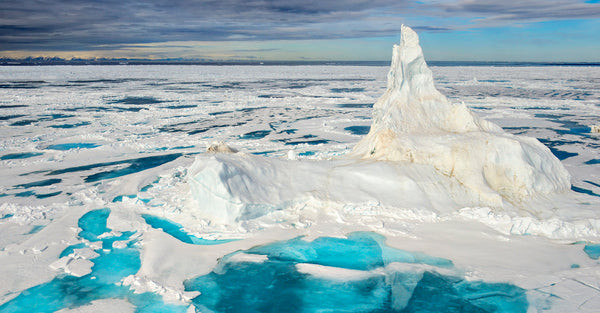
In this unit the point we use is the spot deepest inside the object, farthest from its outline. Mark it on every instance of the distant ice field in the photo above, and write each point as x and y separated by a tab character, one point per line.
94	160
102	121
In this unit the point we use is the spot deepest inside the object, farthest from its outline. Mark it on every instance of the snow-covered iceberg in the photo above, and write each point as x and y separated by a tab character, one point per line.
422	152
413	122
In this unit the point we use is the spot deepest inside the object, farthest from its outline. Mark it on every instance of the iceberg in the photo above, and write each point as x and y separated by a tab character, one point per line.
413	122
422	152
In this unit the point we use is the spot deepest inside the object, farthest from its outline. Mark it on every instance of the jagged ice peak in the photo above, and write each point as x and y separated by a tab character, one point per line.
413	122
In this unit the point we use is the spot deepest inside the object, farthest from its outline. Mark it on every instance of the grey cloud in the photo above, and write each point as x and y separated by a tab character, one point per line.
43	24
89	24
524	11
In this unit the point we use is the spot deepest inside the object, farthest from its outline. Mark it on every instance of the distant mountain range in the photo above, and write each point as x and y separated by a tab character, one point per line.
175	61
179	61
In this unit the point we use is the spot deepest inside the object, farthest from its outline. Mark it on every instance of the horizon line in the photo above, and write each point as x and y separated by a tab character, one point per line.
32	61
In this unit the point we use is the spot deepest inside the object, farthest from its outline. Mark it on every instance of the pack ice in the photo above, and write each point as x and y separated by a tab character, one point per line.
434	210
422	153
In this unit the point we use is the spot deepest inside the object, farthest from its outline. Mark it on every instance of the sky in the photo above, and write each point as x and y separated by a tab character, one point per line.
303	30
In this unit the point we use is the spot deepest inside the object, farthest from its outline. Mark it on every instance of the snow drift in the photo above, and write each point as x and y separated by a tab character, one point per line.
422	152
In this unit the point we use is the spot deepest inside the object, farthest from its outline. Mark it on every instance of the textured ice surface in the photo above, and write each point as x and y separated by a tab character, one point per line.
150	122
110	266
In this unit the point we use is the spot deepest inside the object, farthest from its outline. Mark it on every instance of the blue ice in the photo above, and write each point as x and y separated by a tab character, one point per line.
76	145
358	130
176	230
93	224
110	267
367	251
41	183
306	153
24	155
137	100
30	193
121	197
259	134
585	191
48	195
135	165
24	194
35	229
70	125
276	285
593	251
147	187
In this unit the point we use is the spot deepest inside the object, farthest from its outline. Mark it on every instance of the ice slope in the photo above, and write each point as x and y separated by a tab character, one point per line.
230	188
422	152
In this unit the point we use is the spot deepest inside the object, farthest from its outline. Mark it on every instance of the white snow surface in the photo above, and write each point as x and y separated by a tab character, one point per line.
432	175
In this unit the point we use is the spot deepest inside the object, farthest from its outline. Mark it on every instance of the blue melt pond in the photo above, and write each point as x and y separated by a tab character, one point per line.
562	155
176	230
48	195
584	191
358	130
70	125
24	194
110	267
76	145
93	224
15	156
368	252
276	284
121	197
41	183
135	165
593	251
259	134
36	229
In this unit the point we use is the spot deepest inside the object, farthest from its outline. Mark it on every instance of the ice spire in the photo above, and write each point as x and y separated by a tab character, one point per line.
409	56
411	103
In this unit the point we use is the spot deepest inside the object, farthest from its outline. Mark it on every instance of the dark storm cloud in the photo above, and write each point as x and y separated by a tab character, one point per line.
73	25
95	24
524	11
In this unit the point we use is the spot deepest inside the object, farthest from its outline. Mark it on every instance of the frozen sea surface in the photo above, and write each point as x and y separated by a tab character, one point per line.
94	173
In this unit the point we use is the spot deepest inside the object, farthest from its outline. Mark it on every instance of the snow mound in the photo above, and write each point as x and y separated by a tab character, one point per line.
228	188
413	122
422	152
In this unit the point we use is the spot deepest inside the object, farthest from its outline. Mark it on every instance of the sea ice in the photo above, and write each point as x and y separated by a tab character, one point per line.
104	191
90	274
